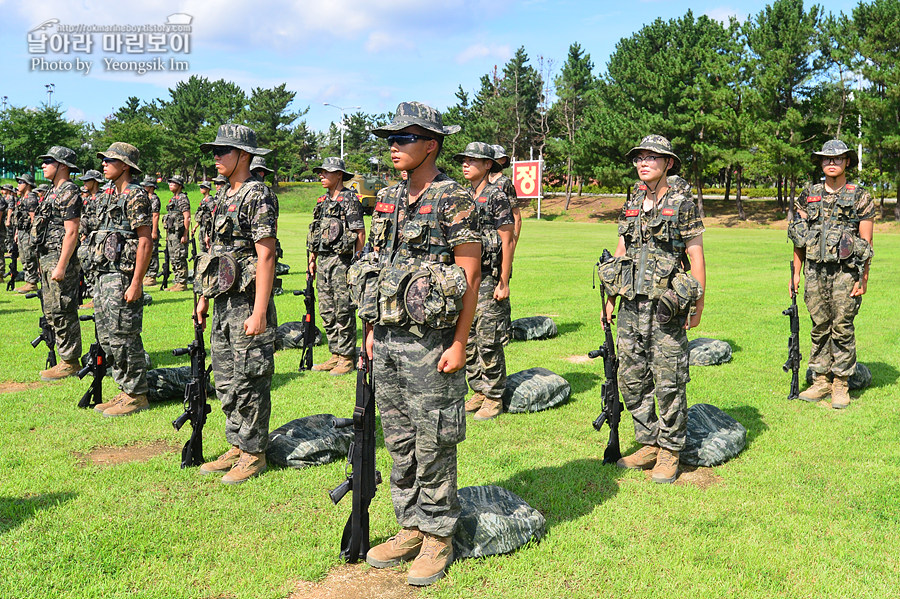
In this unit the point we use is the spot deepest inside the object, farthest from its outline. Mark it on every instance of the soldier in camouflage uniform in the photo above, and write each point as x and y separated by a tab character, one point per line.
336	233
259	170
659	230
10	238
506	186
4	214
55	233
428	251
120	254
238	272
149	185
178	226
89	220
26	205
485	360
203	216
219	181
832	234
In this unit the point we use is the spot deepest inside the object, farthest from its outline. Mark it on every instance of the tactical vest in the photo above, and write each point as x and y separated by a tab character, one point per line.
48	227
329	232
174	221
653	243
421	238
23	220
831	233
114	243
491	247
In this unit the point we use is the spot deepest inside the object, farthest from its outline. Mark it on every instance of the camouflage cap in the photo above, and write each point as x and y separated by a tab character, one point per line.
7	187
127	153
333	164
658	144
62	155
259	163
477	149
416	113
205	184
91	175
235	136
149	182
176	179
220	180
835	147
502	158
27	179
42	188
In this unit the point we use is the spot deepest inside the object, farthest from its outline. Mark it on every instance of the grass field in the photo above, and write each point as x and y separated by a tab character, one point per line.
811	508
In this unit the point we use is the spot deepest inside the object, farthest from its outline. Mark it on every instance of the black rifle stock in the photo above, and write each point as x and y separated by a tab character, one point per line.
794	358
363	479
93	362
47	336
13	267
611	411
166	269
309	323
196	406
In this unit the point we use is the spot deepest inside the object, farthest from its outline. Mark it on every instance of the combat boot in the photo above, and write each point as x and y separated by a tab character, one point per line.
401	547
490	408
101	407
250	465
63	369
820	389
343	366
474	403
840	393
643	458
223	463
327	364
128	405
666	469
178	287
87	305
149	282
27	288
432	562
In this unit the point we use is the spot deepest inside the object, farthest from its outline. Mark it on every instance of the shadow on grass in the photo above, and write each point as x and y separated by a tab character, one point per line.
735	348
750	418
583	382
568	491
15	510
883	375
169	298
568	327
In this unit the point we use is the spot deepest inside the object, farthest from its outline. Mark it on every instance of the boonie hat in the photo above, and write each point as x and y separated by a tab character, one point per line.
235	136
149	182
334	164
127	153
176	179
62	155
205	184
660	145
91	175
259	163
478	149
835	147
27	179
416	113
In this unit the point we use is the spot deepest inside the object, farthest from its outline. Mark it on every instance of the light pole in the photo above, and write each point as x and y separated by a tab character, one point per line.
5	98
342	126
50	87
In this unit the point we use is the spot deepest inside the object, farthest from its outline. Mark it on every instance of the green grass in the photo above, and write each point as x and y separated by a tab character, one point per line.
809	509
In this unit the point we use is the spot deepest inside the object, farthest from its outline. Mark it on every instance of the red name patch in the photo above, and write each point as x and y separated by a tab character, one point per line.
232	208
813	199
382	207
320	200
642	187
426	209
668	212
634	212
850	187
481	200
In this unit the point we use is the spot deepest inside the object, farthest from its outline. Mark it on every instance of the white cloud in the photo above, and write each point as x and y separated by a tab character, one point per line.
75	114
724	13
479	50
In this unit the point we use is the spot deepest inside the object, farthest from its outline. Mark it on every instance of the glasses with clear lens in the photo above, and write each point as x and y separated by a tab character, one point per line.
646	159
405	139
833	160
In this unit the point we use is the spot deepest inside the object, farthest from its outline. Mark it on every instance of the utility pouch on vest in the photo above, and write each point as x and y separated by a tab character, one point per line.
39	227
662	275
862	250
433	296
798	232
362	280
491	249
216	274
617	276
391	285
832	244
113	244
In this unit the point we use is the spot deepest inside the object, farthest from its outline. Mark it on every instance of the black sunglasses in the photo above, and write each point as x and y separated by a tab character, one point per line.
221	151
406	139
48	161
111	160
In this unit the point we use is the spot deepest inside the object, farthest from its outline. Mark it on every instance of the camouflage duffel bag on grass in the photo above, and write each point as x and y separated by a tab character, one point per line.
493	521
309	441
534	390
713	437
860	379
167	384
290	336
708	352
533	327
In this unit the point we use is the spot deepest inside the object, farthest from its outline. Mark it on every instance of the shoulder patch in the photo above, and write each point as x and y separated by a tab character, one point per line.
633	212
813	199
384	207
481	199
850	187
320	200
426	209
642	187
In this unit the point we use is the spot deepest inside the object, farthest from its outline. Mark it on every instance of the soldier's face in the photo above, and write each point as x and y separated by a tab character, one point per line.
49	167
112	168
330	180
834	166
21	188
173	187
411	155
474	169
651	166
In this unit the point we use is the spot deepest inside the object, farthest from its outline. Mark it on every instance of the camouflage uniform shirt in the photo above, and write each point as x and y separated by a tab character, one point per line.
61	203
178	205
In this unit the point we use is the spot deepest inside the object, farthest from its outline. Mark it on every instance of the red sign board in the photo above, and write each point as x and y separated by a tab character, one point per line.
527	178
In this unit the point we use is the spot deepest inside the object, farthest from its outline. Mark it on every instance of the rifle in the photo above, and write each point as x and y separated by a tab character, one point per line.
93	362
81	289
195	405
309	323
794	357
193	249
362	478
166	270
13	267
47	335
611	404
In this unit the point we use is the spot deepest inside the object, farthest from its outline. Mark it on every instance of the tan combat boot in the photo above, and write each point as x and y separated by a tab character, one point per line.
432	562
666	469
223	463
102	407
474	403
343	366
643	458
840	393
820	389
128	405
149	282
327	364
178	287
250	465
87	305
63	369
490	408
26	288
401	547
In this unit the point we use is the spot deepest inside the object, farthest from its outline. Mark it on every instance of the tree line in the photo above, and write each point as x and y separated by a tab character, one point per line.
744	104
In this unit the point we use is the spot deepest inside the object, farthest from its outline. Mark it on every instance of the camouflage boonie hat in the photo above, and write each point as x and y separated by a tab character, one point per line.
149	182
502	158
416	113
127	153
91	175
220	180
259	163
42	188
478	149
835	147
176	179
62	155
658	144
27	179
235	136
7	187
334	164
205	184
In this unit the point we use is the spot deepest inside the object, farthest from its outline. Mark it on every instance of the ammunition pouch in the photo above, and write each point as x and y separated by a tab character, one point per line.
362	280
112	251
39	226
657	279
174	223
391	287
862	251
491	252
617	277
216	274
434	294
678	300
798	232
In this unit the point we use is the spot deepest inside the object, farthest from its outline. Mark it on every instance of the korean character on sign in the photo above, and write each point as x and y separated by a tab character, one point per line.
59	43
37	43
112	42
157	43
180	42
82	42
134	43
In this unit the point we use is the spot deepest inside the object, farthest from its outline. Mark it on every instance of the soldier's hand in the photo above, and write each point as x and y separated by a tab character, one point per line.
693	321
255	325
370	340
796	283
134	292
311	268
58	273
202	311
453	358
184	238
501	291
859	288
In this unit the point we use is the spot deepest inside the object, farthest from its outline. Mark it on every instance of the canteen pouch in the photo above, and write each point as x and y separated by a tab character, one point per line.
616	276
391	285
362	280
862	250
216	274
433	296
798	232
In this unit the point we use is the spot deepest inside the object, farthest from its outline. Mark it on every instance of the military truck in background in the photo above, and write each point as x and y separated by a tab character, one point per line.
367	187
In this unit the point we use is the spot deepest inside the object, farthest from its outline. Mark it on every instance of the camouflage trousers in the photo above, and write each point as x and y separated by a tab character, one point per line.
28	258
832	311
177	258
653	360
423	417
337	311
90	275
153	269
3	248
242	368
60	305
119	326
485	360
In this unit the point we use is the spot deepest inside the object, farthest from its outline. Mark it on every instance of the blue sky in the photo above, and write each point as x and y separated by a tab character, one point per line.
368	53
